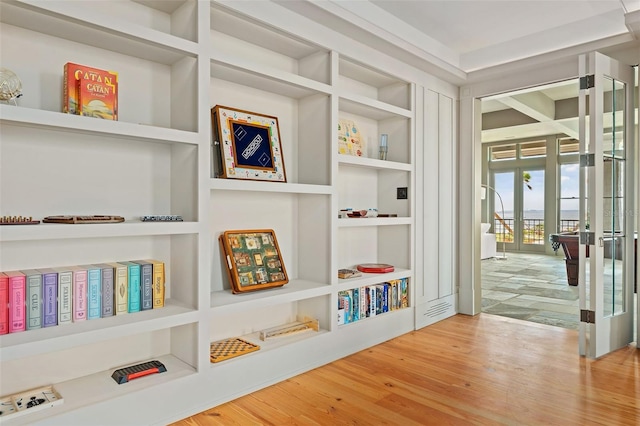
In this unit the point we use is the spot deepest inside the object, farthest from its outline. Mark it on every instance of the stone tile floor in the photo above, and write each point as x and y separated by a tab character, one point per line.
533	287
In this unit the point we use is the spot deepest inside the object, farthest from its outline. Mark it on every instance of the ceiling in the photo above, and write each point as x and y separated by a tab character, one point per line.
459	39
453	39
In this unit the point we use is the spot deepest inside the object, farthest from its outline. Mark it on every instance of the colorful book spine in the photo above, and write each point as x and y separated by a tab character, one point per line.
17	290
158	283
79	293
133	278
404	291
107	290
121	288
65	296
146	284
4	303
363	302
50	297
372	301
34	300
356	304
94	291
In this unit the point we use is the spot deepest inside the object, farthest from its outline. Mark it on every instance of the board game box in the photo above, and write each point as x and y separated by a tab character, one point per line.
253	260
91	92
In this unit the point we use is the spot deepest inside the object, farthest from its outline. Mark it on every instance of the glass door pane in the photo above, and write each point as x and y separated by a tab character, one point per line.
613	150
569	198
503	223
532	224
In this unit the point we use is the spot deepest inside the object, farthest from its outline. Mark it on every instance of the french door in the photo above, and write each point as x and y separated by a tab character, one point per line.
606	248
522	191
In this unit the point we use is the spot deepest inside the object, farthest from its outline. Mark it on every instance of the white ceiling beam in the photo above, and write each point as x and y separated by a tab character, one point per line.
539	107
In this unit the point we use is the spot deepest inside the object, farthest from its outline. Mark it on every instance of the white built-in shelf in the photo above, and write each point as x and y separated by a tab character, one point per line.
100	387
224	302
372	279
373	163
48	231
37	118
268	345
354	222
282	187
62	337
251	74
64	20
374	109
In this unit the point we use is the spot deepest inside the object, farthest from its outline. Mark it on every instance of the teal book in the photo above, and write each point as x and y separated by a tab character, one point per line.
34	298
133	278
146	284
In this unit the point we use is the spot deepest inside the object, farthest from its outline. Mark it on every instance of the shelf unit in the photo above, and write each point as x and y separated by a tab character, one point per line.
176	60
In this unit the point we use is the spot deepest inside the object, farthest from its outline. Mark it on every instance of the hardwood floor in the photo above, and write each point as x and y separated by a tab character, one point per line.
482	370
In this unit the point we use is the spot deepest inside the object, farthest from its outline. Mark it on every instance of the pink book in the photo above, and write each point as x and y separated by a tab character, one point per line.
17	314
4	303
79	291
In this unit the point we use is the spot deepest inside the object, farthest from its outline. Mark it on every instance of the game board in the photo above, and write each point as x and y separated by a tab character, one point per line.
230	348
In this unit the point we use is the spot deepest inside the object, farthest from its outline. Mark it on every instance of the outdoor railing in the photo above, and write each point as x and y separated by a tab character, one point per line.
532	232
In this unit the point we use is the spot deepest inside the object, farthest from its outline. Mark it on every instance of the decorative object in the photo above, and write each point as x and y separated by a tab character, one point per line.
384	148
376	268
10	86
247	145
83	219
125	374
230	348
161	218
18	220
29	402
297	327
484	196
349	139
253	260
348	273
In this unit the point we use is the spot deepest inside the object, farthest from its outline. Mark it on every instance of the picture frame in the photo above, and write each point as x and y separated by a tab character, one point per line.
246	145
253	260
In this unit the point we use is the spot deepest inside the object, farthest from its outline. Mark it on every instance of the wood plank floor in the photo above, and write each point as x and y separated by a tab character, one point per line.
482	370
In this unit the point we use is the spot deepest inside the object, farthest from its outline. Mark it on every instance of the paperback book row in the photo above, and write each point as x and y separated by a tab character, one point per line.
365	302
37	298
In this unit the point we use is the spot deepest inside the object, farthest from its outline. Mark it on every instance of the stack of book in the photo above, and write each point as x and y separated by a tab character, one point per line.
364	302
46	297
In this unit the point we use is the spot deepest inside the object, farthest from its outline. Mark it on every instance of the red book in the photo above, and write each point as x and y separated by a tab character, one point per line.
17	313
4	303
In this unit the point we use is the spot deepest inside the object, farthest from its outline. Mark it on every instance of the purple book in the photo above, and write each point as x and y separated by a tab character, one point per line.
49	297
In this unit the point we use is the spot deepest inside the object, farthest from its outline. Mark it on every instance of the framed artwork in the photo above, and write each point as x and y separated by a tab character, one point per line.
246	145
253	260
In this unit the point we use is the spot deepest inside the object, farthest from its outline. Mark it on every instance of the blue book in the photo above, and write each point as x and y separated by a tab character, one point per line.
34	298
146	284
108	295
94	291
356	304
49	297
133	278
